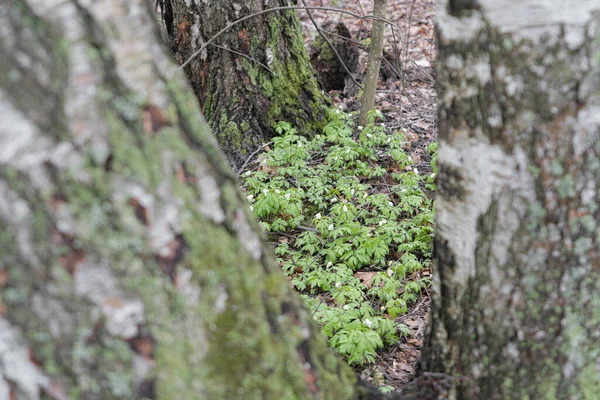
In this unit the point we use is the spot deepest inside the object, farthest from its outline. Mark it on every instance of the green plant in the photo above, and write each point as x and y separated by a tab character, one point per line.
352	225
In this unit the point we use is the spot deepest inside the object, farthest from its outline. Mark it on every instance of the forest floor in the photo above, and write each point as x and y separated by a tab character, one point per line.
409	105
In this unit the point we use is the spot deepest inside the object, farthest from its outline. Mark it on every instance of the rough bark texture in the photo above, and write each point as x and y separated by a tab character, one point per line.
516	307
243	97
130	263
367	101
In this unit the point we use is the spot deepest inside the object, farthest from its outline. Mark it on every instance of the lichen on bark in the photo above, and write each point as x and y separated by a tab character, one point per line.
516	247
131	265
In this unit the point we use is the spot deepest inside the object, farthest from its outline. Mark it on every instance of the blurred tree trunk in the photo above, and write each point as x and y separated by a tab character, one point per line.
516	306
256	74
131	266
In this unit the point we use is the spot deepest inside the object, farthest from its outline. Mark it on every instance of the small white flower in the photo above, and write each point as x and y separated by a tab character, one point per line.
390	272
338	284
368	322
299	144
360	128
416	171
347	151
333	199
383	221
432	176
403	191
335	158
409	158
251	208
365	195
390	204
337	111
330	227
318	216
345	209
287	196
265	191
329	264
346	307
389	140
352	192
248	173
369	135
382	124
277	191
250	196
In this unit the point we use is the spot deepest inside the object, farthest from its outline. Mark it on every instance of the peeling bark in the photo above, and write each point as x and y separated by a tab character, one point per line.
515	305
256	74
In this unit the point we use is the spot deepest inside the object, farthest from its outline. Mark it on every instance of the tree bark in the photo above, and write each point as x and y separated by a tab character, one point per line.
257	74
516	291
367	101
131	266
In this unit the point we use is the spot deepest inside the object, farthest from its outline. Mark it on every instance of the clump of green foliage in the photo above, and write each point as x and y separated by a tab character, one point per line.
352	225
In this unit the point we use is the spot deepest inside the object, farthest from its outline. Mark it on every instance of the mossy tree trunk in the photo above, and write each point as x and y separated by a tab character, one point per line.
516	306
131	266
257	74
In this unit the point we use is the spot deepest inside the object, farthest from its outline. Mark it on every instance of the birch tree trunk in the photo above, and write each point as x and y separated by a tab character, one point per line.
516	307
256	74
131	266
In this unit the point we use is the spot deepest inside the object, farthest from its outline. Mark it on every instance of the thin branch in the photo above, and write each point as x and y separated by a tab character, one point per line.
234	23
245	55
320	31
239	171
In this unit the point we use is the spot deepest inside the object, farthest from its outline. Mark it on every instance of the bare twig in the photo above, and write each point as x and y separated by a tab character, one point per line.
320	32
247	17
244	55
239	171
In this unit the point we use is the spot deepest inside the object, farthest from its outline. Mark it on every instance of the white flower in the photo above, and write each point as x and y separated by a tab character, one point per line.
360	128
403	191
250	196
383	221
251	208
352	192
382	124
369	135
390	204
432	176
338	284
277	191
299	144
416	171
318	216
346	307
337	111
409	158
345	209
248	173
333	199
287	196
368	322
390	272
335	158
265	191
330	227
347	151
389	140
329	264
365	195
